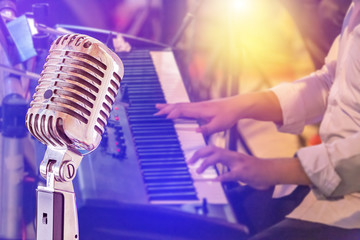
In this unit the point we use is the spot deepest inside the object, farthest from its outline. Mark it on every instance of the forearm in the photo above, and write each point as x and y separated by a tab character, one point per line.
283	171
263	106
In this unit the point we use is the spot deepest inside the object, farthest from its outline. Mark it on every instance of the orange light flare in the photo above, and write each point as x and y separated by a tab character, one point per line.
254	38
264	35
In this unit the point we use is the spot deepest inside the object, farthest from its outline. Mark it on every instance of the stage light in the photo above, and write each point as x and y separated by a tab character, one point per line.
242	7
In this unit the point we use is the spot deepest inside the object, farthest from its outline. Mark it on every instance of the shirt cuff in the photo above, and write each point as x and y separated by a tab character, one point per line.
292	107
319	168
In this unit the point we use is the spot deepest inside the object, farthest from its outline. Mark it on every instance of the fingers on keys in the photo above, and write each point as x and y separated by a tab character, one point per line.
227	177
163	109
179	110
211	155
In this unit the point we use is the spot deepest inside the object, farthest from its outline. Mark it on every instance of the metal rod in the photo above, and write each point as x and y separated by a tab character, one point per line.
30	75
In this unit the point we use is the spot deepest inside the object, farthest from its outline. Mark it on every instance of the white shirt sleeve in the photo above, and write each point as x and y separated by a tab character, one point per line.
304	101
339	178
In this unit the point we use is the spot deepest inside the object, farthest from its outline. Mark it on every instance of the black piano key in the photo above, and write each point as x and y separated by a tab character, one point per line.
184	179
135	54
141	72
163	159
165	170
164	138
159	152
139	109
137	67
133	91
145	101
169	155
149	127
173	178
149	120
153	160
143	112
132	65
150	123
141	77
168	125
161	149
163	173
160	157
135	108
156	141
170	184
155	135
173	196
166	174
144	115
159	165
169	169
130	76
144	85
154	132
169	189
146	96
138	85
137	62
156	145
150	104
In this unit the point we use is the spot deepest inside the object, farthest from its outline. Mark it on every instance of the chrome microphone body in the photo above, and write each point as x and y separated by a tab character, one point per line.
69	112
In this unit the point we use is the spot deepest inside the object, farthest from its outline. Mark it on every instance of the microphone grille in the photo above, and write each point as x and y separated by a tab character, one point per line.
75	94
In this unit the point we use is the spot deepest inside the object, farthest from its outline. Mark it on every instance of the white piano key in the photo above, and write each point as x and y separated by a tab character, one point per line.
191	141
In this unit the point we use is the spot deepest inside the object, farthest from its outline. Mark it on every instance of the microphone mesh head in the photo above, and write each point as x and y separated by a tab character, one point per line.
75	94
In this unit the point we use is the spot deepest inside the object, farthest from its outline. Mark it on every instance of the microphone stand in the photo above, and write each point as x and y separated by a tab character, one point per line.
12	137
12	167
189	17
56	216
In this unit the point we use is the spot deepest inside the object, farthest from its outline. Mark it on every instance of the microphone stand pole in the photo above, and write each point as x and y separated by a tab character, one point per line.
185	23
12	168
13	136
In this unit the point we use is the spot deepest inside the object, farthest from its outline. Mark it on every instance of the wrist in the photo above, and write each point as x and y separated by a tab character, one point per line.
241	105
287	171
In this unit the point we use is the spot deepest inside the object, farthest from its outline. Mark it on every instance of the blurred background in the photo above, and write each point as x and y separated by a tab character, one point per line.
222	48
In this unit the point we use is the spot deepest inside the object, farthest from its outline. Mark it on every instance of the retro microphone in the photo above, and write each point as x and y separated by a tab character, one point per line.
69	112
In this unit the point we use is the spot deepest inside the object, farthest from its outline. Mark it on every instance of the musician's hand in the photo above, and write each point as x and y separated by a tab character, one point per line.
216	115
244	168
257	172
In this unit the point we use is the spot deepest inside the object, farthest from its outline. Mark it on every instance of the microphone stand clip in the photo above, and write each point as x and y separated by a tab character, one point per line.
56	215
